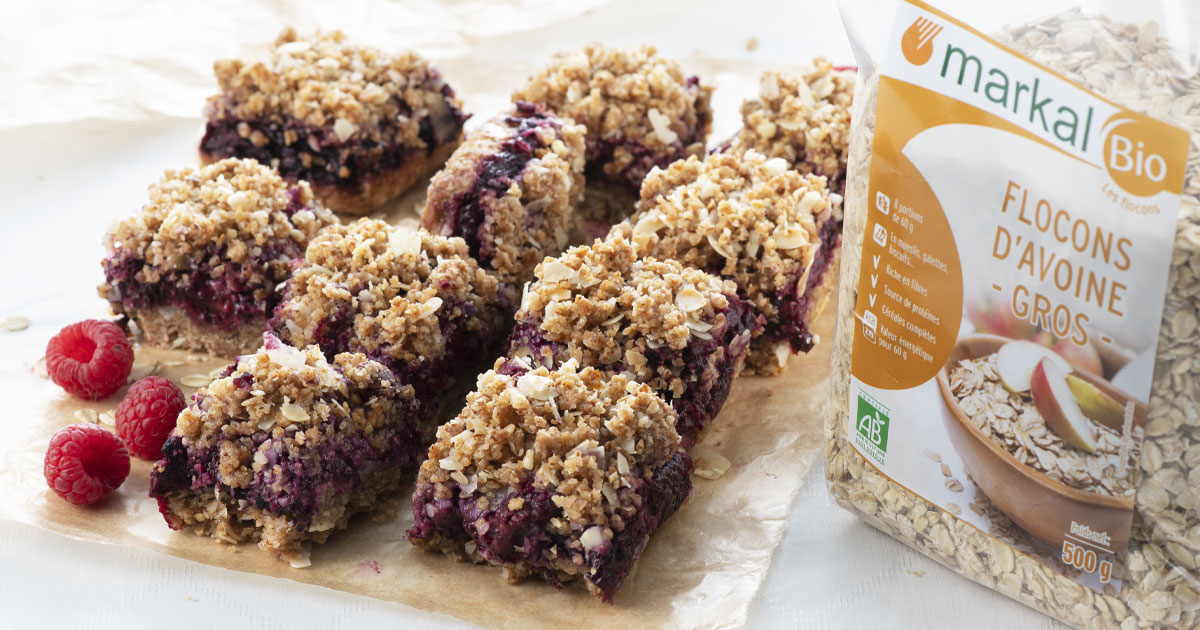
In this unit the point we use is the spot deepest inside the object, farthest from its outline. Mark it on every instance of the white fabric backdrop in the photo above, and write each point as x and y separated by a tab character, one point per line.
832	571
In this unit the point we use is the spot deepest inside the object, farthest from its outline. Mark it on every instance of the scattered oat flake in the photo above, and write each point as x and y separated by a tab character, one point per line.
86	415
917	572
39	368
195	380
13	323
107	418
709	463
751	44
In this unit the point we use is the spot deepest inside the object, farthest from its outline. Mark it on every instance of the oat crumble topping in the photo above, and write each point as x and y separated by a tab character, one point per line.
803	119
325	81
626	94
529	219
607	306
235	207
401	289
745	217
294	395
583	434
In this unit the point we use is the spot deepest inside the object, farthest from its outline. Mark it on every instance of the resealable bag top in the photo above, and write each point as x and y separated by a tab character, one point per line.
1015	380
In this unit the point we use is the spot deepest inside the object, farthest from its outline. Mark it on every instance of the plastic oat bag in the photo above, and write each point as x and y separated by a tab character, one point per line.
1016	377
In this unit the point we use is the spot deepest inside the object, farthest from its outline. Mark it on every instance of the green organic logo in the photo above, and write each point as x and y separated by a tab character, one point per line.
871	424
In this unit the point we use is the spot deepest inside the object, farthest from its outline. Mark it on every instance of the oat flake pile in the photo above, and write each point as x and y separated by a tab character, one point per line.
1072	408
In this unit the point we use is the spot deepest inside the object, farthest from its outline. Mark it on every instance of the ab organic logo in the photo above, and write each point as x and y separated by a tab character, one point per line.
917	42
872	423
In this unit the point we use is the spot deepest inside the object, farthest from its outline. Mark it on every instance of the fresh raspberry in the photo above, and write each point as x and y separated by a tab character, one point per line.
90	359
147	415
85	463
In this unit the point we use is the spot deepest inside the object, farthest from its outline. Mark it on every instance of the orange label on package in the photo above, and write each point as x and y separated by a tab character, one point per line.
1015	255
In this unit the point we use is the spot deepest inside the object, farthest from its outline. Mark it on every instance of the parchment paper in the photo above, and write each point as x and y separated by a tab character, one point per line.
700	570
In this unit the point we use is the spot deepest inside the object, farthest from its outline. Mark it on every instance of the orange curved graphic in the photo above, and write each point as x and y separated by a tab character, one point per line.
917	42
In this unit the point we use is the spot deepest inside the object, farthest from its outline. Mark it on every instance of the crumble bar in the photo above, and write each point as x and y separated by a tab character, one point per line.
509	190
360	125
640	111
286	447
197	268
679	330
414	301
560	473
753	220
803	119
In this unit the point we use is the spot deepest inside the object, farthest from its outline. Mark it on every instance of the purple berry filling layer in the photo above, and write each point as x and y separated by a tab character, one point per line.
315	154
703	398
226	295
496	174
600	152
505	536
795	312
290	485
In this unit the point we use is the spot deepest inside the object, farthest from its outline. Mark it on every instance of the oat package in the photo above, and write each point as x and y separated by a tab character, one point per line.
1016	387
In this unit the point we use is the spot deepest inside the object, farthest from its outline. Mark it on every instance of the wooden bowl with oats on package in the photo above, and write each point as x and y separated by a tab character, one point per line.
1041	439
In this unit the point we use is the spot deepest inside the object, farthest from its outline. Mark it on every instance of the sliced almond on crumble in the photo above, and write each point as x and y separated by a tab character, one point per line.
404	241
612	320
287	356
430	307
609	493
719	248
775	166
651	222
812	200
592	537
556	271
662	126
790	237
344	129
292	411
689	299
536	386
240	201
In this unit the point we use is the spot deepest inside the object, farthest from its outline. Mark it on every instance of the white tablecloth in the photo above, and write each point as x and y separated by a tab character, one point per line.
64	183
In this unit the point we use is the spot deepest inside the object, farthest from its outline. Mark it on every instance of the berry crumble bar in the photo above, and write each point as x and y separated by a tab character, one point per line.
562	474
198	267
679	330
753	220
360	125
286	447
803	119
411	300
640	111
509	190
